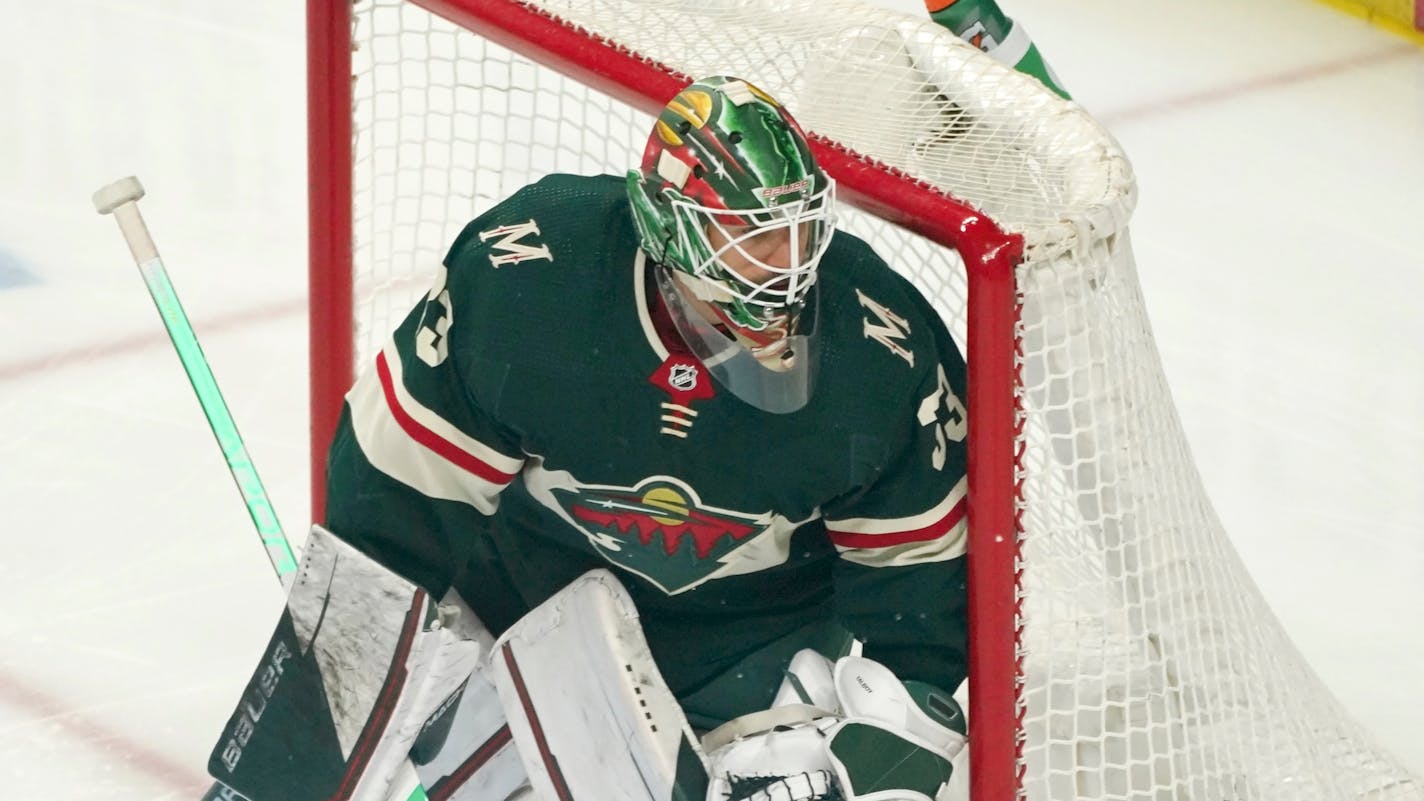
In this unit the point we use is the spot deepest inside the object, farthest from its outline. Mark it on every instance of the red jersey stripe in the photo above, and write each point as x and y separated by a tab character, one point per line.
443	447
935	530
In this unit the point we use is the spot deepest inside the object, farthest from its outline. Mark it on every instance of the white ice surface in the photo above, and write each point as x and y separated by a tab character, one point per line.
1279	238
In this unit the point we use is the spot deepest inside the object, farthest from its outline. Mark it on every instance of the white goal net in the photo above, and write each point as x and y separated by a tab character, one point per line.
1143	663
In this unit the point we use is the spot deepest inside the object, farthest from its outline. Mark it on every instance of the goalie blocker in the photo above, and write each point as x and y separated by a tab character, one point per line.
361	658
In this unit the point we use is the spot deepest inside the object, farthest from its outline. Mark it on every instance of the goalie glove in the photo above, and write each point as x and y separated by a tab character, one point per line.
776	755
844	732
895	741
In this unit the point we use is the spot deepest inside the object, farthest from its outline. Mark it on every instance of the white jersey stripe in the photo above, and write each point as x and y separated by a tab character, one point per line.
951	545
415	446
871	525
940	534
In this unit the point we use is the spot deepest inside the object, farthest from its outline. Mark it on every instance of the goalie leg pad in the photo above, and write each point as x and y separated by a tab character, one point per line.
474	758
589	711
360	659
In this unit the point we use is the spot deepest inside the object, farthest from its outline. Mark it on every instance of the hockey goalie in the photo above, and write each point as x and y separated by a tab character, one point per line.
609	510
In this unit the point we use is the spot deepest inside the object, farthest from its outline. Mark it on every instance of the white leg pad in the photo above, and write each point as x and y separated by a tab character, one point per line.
478	760
590	714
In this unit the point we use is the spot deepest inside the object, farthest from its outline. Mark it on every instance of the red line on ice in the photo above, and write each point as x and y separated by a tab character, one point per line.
99	738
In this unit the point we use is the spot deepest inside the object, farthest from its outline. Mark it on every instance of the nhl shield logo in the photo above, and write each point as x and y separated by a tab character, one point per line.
683	377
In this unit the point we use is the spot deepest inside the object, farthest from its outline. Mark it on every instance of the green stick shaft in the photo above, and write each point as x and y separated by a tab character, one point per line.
244	474
121	198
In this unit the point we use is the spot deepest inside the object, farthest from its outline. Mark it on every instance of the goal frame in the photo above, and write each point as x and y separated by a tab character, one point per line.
992	346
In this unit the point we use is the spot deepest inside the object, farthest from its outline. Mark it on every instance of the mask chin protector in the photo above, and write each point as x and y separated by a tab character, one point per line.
777	376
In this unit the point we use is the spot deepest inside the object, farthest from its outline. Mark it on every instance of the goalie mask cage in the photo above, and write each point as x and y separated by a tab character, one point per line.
1119	649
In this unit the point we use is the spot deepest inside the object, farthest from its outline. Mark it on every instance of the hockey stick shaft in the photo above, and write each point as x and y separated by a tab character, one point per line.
121	199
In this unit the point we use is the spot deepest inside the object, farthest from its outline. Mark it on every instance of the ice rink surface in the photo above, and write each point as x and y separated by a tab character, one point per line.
1278	235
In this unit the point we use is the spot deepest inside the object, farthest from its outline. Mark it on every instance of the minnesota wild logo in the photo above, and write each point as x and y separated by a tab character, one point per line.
659	529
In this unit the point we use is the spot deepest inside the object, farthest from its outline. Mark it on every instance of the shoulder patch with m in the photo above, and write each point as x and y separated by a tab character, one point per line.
509	246
889	328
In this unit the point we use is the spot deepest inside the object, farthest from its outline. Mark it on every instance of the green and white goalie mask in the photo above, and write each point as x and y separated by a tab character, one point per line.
730	201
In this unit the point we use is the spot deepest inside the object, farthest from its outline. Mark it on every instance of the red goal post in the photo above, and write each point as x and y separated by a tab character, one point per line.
1118	649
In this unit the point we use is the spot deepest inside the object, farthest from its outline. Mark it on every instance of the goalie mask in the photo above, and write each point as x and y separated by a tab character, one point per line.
730	202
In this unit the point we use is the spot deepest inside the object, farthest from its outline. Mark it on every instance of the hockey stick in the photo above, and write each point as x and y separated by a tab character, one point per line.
120	198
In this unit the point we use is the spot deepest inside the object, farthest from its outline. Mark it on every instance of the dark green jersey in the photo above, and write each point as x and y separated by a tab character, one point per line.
533	419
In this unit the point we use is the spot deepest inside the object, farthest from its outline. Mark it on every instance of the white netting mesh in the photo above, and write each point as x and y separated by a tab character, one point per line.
1153	668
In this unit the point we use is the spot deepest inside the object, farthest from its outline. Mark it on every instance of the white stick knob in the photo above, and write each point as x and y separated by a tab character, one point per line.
124	190
120	198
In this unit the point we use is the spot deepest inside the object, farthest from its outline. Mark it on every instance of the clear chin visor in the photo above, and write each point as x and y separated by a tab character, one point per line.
777	378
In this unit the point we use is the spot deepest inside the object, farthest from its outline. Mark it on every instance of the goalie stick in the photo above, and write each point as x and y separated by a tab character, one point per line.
120	199
683	776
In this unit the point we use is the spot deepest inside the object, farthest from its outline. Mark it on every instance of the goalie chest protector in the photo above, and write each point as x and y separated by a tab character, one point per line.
539	344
